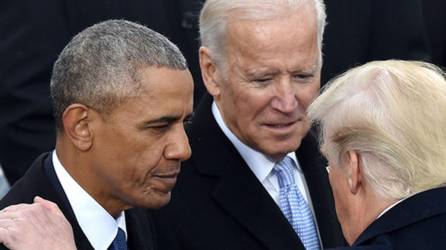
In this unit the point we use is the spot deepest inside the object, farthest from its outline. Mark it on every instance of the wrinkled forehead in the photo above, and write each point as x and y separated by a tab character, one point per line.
260	10
291	33
273	45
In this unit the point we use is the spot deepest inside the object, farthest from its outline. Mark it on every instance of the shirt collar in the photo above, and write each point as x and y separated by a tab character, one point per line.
259	163
392	205
98	225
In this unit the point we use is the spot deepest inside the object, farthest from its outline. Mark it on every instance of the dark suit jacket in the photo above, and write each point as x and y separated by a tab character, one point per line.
41	180
418	223
33	33
361	31
218	203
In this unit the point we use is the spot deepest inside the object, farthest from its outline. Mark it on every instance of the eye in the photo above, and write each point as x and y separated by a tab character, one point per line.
158	128
262	81
303	77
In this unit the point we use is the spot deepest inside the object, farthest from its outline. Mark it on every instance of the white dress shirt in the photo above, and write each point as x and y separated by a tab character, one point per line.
261	165
392	205
96	223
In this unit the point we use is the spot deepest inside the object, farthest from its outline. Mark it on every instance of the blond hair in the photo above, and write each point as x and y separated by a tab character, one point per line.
394	114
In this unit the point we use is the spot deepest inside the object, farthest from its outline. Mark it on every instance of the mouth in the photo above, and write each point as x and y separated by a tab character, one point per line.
167	179
283	126
168	174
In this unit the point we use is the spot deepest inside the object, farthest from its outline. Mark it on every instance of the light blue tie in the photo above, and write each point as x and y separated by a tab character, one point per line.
119	243
294	206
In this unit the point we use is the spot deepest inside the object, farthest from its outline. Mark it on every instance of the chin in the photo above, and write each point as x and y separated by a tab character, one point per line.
278	154
155	202
284	148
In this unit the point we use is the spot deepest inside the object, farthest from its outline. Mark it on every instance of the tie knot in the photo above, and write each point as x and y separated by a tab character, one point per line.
119	243
284	170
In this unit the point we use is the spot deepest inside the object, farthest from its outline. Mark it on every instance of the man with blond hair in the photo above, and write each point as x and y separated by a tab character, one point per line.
383	132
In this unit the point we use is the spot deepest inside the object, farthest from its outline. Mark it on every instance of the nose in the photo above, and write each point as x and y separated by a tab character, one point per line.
179	149
285	100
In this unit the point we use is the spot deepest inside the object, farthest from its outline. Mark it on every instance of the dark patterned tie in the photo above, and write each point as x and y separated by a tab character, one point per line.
119	243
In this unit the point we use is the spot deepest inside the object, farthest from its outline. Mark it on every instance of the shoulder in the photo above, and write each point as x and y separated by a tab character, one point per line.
423	215
33	183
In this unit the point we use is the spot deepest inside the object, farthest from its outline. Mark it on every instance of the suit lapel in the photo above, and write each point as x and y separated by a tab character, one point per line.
237	191
244	198
139	228
58	196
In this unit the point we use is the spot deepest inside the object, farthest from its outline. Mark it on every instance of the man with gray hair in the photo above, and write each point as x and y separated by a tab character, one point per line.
121	93
255	180
383	132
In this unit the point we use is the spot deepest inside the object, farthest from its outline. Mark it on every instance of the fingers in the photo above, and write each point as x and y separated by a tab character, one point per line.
14	208
48	204
25	226
5	238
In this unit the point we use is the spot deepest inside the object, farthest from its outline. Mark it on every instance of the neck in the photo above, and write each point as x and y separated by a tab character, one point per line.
76	163
366	212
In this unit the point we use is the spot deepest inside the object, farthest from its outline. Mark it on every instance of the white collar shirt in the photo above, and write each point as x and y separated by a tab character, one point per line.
261	165
98	225
393	205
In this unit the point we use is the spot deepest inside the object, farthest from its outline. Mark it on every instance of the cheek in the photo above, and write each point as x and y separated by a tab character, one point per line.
339	193
306	95
335	187
242	106
255	103
148	157
140	159
332	184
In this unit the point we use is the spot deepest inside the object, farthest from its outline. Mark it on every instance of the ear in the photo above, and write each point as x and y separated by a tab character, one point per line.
76	124
209	72
354	165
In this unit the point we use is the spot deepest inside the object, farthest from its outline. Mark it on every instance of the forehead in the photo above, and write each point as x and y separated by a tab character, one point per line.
162	80
292	37
161	90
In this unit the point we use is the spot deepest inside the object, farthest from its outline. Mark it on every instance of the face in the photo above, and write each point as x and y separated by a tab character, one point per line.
341	193
272	74
138	148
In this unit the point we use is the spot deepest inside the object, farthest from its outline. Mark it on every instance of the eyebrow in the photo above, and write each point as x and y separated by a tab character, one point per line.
161	120
311	69
260	72
168	119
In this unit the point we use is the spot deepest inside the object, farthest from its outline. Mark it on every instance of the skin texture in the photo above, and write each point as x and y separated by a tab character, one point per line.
132	156
21	227
341	191
357	205
271	75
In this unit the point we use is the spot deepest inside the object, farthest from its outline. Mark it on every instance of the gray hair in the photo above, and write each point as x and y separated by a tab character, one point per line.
393	114
100	66
215	14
